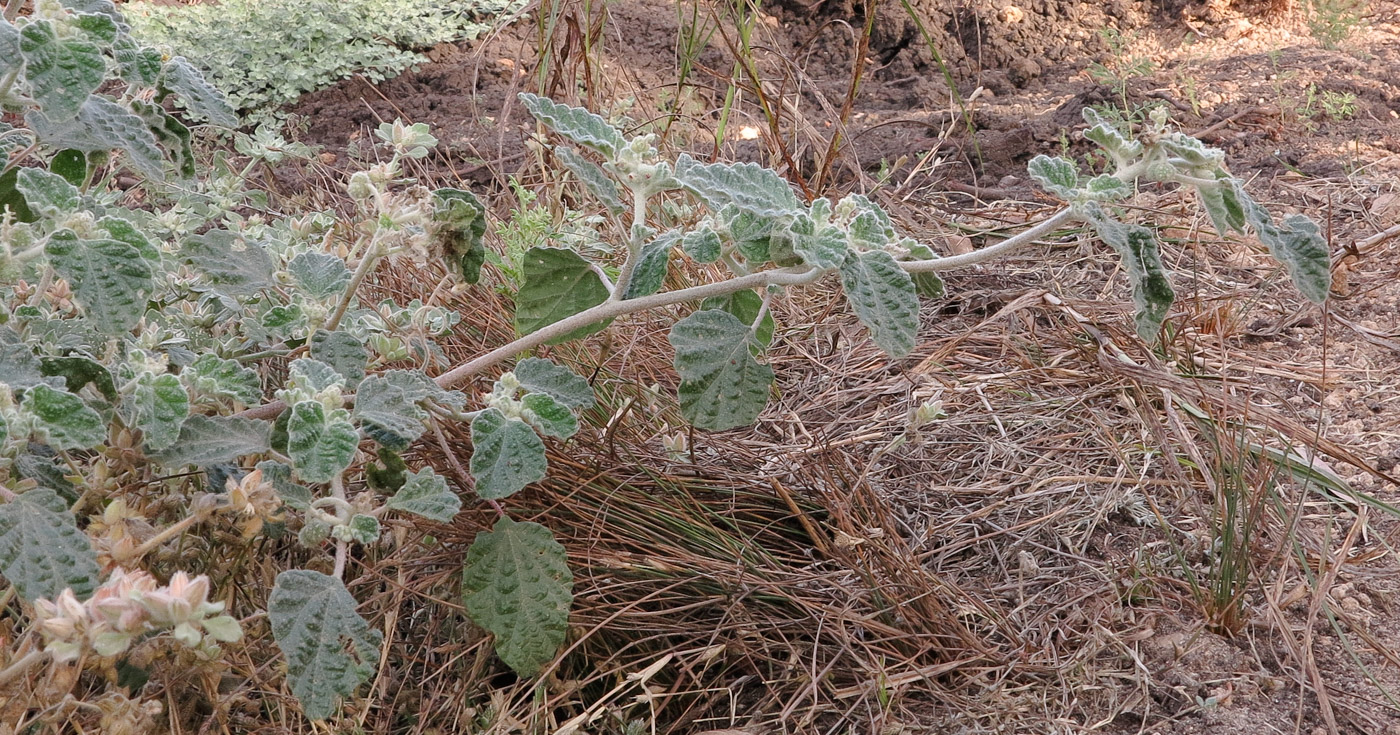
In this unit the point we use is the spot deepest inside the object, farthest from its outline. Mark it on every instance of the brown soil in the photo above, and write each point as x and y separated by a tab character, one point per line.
1254	86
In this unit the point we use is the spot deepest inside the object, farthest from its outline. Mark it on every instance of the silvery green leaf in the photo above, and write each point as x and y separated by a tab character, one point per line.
746	306
45	471
1137	247
109	278
1298	244
557	284
313	533
48	194
882	294
548	416
210	440
1222	202
103	125
170	133
576	124
516	584
198	96
293	495
11	201
320	443
97	7
592	177
342	351
425	493
61	73
64	419
649	274
459	223
824	248
10	59
722	386
538	375
213	375
123	230
928	284
71	164
78	372
231	263
388	413
42	552
363	529
748	186
1056	175
1106	188
419	387
320	275
1107	137
330	649
140	66
313	375
97	27
19	368
1193	152
703	245
867	232
507	455
159	405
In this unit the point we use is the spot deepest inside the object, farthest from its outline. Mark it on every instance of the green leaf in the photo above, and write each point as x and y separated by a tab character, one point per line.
748	186
538	375
320	444
516	583
48	194
459	223
199	97
11	199
549	416
557	284
1152	287
64	418
825	248
10	59
78	372
103	125
315	624
160	407
703	245
884	298
342	351
120	229
425	493
593	178
313	375
110	279
140	66
61	73
389	474
1108	138
1106	188
1298	244
389	413
293	495
1056	175
72	165
650	272
213	375
46	472
363	529
102	28
231	263
507	455
1223	205
42	552
170	133
19	368
722	386
745	306
868	232
211	440
928	284
576	124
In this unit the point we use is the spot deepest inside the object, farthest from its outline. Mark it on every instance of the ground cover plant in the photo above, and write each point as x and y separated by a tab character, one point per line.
218	358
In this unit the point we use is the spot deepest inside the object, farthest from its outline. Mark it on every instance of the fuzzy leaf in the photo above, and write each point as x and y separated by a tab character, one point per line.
231	263
538	375
362	529
199	97
342	351
1152	287
159	405
47	193
61	73
883	296
1106	188
211	440
64	418
315	624
549	416
71	164
170	133
748	186
1112	141
42	552
928	284
211	374
293	495
10	59
425	493
110	279
703	245
825	248
320	444
576	124
722	386
459	223
389	413
650	272
78	372
19	368
592	177
516	583
46	472
313	375
1298	244
319	274
103	125
557	284
120	229
507	455
745	306
140	66
1056	175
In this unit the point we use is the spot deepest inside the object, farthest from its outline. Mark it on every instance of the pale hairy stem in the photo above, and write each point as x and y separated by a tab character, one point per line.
367	263
634	248
342	549
21	666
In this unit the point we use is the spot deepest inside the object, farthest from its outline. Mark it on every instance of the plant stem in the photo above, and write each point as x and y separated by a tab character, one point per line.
1001	249
164	536
18	668
366	265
